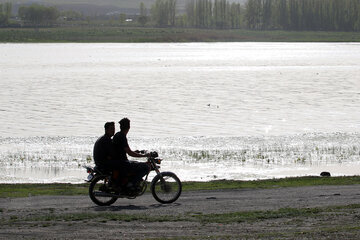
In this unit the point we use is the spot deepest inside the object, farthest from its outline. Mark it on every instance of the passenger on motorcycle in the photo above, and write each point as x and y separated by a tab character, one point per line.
103	147
104	152
122	149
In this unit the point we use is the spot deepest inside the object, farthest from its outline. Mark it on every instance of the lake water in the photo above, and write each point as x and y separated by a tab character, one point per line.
212	110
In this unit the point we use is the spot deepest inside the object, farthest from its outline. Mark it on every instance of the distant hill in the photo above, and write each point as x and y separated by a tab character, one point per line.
96	7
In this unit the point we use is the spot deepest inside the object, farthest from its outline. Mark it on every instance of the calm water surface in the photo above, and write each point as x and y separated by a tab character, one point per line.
214	110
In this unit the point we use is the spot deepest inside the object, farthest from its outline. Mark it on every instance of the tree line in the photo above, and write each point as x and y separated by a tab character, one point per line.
163	12
36	14
210	14
297	15
5	13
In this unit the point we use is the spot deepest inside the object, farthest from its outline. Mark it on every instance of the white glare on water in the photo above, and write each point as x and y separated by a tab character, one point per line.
212	110
60	159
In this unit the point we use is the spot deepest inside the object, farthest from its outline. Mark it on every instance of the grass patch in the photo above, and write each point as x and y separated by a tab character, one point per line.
272	183
100	217
140	34
238	217
25	190
291	213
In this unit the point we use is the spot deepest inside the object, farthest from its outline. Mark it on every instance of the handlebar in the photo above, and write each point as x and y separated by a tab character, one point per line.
152	154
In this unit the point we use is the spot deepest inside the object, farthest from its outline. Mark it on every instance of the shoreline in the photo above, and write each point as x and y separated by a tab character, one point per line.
107	34
17	190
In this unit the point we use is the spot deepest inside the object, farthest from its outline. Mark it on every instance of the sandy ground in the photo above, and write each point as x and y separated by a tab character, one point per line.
24	218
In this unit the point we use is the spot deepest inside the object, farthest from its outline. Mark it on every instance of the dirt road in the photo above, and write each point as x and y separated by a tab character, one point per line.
50	216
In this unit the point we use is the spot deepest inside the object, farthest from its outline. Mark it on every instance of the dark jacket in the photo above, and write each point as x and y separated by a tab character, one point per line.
103	150
120	143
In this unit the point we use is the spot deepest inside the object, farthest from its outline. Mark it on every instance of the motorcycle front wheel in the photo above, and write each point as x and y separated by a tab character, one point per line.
166	187
99	191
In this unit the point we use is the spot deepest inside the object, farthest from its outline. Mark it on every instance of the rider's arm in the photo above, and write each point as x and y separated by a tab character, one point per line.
135	154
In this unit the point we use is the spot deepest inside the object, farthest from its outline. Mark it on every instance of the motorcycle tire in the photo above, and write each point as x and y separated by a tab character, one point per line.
97	193
166	187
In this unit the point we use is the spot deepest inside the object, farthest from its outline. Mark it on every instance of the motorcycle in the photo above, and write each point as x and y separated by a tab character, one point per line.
165	187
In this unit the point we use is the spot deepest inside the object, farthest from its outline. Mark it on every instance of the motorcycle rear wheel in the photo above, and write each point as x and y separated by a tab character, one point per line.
166	187
98	191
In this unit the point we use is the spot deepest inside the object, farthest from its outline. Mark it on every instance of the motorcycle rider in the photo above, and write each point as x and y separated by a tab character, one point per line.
122	149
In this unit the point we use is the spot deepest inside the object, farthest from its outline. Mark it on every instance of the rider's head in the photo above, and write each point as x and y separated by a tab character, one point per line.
109	128
124	124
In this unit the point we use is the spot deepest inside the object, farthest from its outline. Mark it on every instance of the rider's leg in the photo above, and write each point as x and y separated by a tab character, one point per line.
139	170
115	168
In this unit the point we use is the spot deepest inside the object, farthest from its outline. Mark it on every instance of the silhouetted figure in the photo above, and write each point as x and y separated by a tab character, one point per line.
122	149
104	153
103	147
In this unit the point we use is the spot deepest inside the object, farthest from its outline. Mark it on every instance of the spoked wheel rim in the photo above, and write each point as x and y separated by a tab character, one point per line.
99	191
166	188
